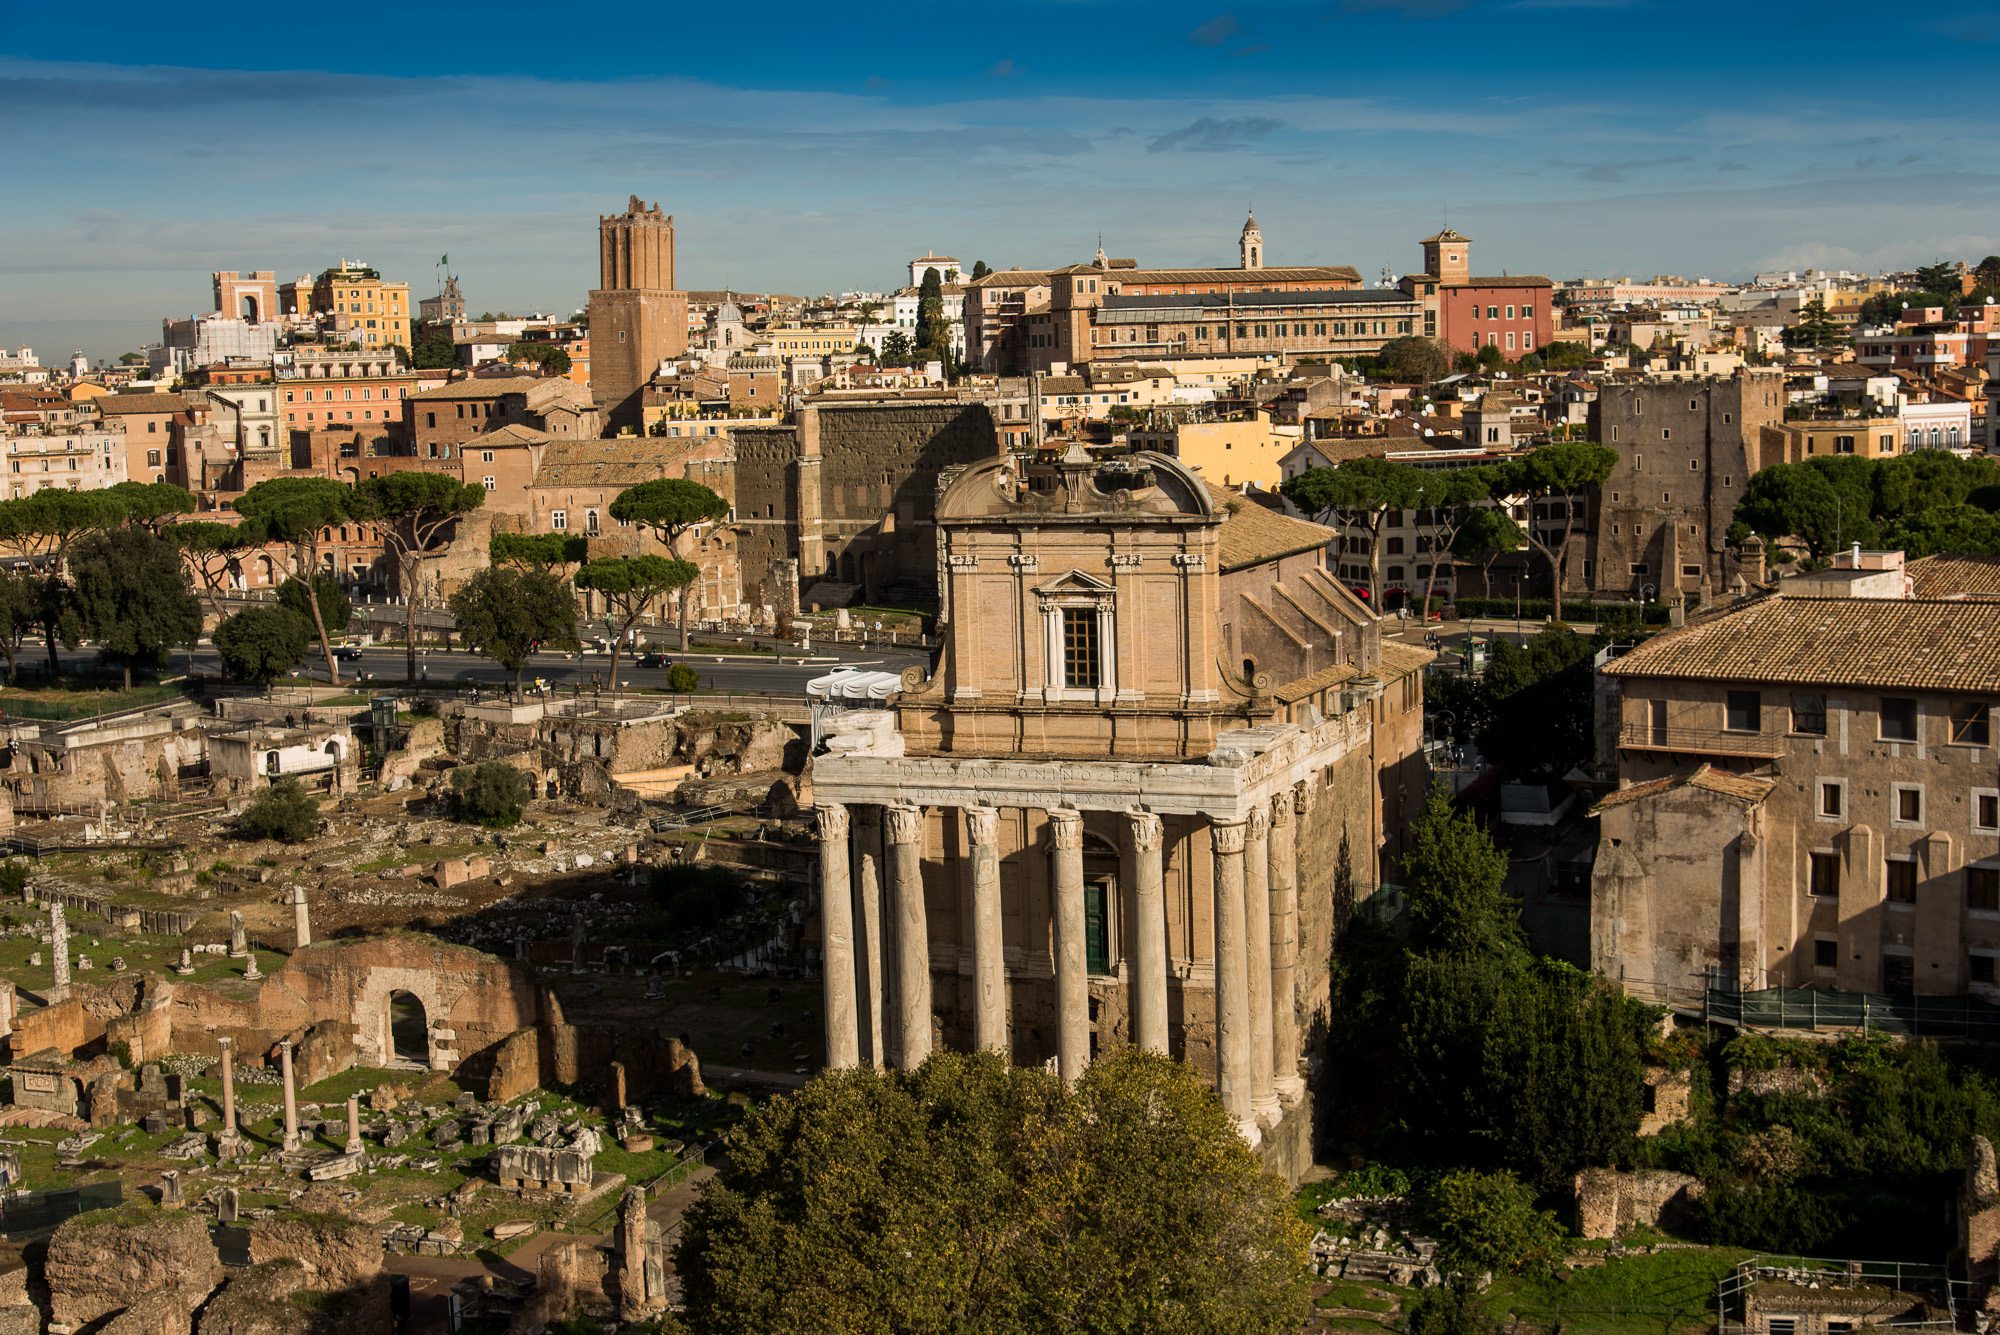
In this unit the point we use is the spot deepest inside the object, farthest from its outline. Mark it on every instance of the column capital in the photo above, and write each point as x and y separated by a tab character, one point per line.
1065	828
902	823
1281	811
223	1041
1302	799
1228	835
982	824
1145	830
832	820
1259	823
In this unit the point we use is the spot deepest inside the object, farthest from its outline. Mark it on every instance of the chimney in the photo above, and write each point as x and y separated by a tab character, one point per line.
1854	557
1753	560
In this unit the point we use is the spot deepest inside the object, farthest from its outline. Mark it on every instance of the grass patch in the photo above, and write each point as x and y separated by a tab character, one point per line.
711	647
1354	1296
1307	1200
1628	1295
61	702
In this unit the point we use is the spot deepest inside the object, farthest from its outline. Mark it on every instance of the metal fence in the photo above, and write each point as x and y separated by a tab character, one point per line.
1866	1012
1942	1296
30	1212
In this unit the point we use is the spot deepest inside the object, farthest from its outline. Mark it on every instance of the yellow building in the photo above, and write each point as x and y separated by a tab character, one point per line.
796	340
1228	453
365	309
1862	437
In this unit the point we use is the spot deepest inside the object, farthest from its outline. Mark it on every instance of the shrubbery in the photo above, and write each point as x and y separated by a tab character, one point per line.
1488	1221
491	794
285	812
682	679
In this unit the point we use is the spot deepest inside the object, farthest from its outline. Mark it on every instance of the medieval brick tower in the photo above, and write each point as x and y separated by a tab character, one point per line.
637	318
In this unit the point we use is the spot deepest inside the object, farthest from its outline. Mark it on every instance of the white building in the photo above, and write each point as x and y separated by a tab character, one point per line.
948	269
207	339
83	458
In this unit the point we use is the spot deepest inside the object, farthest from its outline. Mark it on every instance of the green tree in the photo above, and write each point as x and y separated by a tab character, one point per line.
298	511
630	585
132	597
547	356
1414	360
417	513
1563	356
1359	492
1563	473
1825	503
213	552
896	349
491	794
1454	881
1488	1221
1540	702
151	504
327	605
932	338
682	679
1943	276
671	508
434	350
1447	500
131	359
1486	534
507	614
1490	358
284	811
539	551
979	270
971	1195
1815	329
1961	530
261	644
19	590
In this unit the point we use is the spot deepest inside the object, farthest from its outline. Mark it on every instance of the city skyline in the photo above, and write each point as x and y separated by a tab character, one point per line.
1561	134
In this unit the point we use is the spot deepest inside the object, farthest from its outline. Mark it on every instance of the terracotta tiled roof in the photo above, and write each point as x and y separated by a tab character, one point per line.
1739	786
140	403
1253	535
491	388
1400	660
1516	280
1244	277
1954	576
1294	691
620	462
512	434
1908	643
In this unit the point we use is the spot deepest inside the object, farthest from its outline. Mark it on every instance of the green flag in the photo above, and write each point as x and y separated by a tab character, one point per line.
445	260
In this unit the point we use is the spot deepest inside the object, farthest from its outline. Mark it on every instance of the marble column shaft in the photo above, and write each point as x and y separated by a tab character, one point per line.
354	1124
874	924
836	912
291	1098
1257	960
1149	934
1285	949
1232	993
902	833
1072	976
989	964
228	1087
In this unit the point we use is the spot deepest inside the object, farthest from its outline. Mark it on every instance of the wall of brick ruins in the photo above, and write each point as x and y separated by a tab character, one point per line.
65	1026
1608	1201
103	1262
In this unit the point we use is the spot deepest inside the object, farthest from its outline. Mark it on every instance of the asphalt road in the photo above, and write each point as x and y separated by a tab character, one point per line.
744	673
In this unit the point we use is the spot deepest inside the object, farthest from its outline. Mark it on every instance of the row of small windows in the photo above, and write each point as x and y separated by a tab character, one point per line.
366	393
1899	886
1970	721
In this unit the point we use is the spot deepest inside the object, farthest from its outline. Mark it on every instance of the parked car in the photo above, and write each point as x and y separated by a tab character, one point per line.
350	653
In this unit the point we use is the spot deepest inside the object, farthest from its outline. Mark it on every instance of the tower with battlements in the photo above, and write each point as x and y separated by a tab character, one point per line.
637	317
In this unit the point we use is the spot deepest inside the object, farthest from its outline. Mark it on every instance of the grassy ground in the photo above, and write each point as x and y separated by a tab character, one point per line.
1627	1295
80	701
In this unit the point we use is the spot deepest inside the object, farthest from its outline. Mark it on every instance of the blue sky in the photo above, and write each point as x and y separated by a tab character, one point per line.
816	148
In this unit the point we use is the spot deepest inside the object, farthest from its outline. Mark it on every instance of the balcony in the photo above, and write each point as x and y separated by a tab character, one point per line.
1701	741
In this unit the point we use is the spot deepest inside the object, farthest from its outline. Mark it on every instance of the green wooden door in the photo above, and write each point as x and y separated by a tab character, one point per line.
1096	927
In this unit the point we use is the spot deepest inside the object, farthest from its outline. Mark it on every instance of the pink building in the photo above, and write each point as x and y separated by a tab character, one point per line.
1513	314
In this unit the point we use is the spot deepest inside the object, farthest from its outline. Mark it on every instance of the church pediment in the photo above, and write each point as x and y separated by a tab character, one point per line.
1074	584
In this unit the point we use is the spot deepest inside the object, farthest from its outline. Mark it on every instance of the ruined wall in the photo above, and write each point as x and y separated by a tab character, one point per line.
517	1067
259	1302
479	999
878	485
65	1026
764	485
335	1252
1608	1201
103	1262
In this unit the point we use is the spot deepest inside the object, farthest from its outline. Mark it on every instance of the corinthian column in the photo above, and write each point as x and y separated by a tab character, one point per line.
836	915
1284	953
1149	935
1072	980
1232	993
1257	962
989	966
903	831
874	930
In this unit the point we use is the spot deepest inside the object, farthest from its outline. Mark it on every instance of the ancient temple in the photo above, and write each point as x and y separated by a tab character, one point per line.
1162	755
